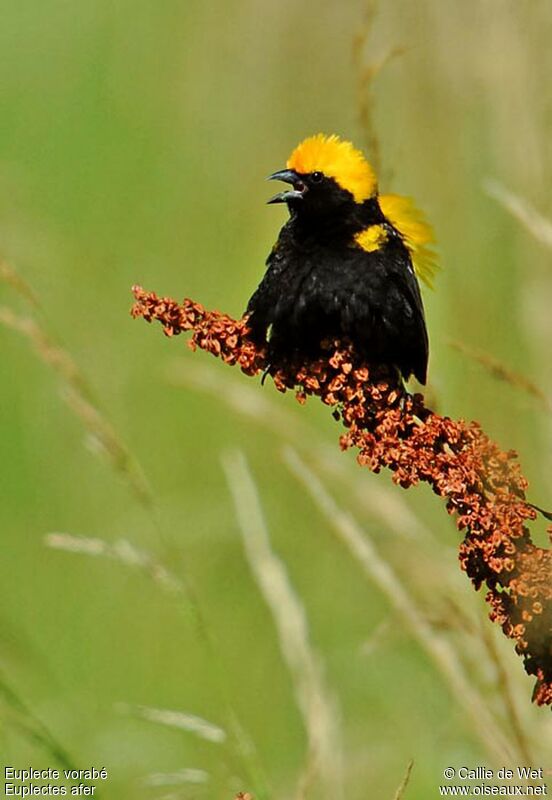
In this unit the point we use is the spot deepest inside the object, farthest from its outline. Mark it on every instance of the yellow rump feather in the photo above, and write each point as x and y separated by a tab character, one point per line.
416	231
337	159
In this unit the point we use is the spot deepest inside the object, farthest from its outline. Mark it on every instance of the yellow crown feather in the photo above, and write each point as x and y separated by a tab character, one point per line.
416	231
337	159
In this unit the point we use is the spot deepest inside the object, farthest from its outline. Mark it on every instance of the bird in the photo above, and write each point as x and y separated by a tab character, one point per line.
345	265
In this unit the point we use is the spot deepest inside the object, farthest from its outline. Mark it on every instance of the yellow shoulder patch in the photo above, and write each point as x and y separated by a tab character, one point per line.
372	238
416	231
336	159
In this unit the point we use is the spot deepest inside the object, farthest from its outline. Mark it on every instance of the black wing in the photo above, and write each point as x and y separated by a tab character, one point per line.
374	299
265	298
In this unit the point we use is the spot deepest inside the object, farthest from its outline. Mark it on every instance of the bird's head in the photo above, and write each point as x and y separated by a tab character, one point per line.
328	176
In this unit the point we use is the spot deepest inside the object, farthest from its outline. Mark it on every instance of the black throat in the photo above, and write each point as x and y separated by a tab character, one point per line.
335	224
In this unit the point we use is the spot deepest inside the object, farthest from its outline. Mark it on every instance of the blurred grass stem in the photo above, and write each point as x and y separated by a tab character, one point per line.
381	573
312	696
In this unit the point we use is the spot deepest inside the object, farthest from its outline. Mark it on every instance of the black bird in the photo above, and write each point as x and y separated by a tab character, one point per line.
345	264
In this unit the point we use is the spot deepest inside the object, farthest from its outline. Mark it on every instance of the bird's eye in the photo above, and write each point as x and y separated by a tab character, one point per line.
316	177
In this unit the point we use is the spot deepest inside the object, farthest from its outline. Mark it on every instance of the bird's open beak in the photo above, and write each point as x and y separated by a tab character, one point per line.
288	176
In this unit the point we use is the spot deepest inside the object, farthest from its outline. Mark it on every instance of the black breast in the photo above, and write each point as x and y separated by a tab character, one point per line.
323	287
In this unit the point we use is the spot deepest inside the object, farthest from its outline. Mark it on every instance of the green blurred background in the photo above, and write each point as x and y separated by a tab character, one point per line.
134	142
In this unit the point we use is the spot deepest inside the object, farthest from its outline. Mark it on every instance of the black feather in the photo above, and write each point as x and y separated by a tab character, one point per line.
320	283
